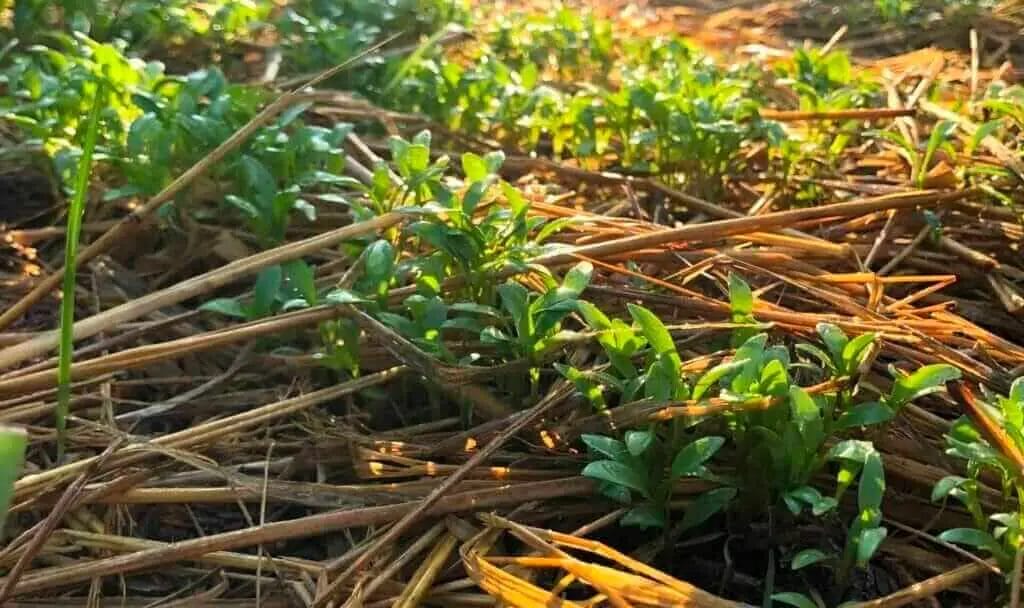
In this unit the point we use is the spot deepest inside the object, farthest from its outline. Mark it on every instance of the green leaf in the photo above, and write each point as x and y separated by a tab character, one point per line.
872	483
258	180
619	494
980	134
946	485
705	506
741	299
662	382
808	557
835	340
851	449
855	350
869	542
638	442
714	374
264	292
926	380
774	379
474	167
691	458
617	473
593	316
576	280
514	298
653	329
790	598
972	537
802	405
300	278
644	516
343	296
226	306
865	414
13	442
380	261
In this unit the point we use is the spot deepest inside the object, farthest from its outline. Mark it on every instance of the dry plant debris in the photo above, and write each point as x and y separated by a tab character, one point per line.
525	303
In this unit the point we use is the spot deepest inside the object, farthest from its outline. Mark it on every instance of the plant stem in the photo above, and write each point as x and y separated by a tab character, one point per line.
67	304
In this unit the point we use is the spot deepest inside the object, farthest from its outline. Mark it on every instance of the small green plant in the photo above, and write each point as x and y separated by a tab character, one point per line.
535	320
67	306
920	161
998	535
13	442
642	470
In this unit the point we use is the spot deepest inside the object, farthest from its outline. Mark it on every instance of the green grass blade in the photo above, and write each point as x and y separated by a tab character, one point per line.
13	442
67	305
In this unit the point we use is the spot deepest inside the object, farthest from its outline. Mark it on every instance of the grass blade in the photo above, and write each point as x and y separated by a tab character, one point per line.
67	304
13	442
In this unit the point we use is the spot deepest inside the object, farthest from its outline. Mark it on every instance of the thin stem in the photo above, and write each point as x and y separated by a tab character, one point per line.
67	305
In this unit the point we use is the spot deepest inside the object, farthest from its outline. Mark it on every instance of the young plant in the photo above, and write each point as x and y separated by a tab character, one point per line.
998	535
642	470
67	306
536	319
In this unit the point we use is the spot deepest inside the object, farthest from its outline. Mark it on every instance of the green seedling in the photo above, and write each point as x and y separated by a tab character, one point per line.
999	535
642	470
535	320
67	305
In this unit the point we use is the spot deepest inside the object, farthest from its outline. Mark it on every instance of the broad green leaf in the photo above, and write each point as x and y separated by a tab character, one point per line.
1017	391
691	458
13	442
644	516
514	298
946	485
774	379
638	442
300	278
617	473
808	557
705	506
802	405
474	167
614	491
855	350
714	374
576	280
662	381
264	292
225	306
797	600
380	261
607	446
869	541
972	537
593	316
872	483
928	379
741	299
865	414
835	340
653	329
